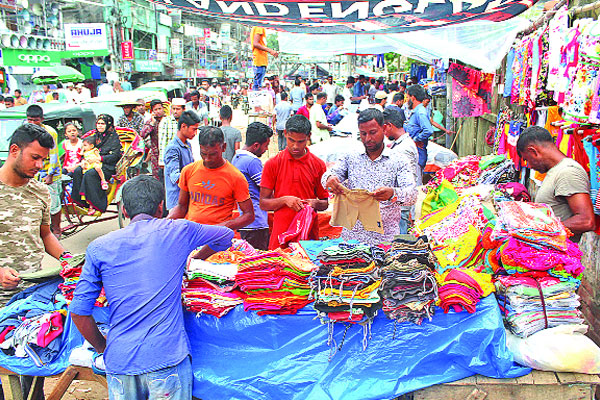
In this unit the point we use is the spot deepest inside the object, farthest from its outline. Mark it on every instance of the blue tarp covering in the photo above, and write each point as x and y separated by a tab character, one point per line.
246	356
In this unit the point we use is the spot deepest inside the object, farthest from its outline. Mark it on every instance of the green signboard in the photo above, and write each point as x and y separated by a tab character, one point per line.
149	66
30	58
84	53
43	58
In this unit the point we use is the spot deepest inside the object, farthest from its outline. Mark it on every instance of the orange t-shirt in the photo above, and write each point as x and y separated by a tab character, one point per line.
260	57
214	193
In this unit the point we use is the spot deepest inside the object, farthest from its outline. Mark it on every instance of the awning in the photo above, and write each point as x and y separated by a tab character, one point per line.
481	44
372	16
56	74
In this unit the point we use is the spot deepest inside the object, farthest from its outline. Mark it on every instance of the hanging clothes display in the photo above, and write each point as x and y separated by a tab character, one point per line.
471	91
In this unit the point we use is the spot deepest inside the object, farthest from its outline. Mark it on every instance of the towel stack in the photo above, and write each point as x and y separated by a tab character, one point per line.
274	282
209	287
408	287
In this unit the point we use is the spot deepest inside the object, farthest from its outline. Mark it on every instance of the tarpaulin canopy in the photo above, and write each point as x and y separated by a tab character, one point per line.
56	74
381	16
481	44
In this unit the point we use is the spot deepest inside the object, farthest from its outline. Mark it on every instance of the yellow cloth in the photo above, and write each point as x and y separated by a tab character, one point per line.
260	58
91	159
484	280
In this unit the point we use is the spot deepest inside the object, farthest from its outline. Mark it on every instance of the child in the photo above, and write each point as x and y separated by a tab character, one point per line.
72	148
91	159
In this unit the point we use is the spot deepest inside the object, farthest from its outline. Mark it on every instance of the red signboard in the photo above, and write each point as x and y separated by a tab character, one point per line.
207	33
127	50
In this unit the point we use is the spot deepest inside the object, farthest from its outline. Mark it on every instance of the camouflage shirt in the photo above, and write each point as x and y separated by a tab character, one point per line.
23	210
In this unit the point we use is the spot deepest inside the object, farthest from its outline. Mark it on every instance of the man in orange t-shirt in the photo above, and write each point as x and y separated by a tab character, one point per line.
260	59
212	188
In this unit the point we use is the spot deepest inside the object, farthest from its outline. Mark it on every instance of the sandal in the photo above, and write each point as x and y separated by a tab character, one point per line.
104	185
91	211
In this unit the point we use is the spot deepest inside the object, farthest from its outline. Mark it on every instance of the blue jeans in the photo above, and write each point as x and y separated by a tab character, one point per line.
171	383
281	140
259	76
404	222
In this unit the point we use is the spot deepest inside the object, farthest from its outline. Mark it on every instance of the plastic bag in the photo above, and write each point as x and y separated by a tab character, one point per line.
560	349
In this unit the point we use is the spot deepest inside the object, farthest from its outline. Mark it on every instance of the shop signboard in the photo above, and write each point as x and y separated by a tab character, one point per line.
162	43
225	32
175	46
179	72
149	66
127	66
152	54
127	50
207	33
85	37
30	58
84	53
201	73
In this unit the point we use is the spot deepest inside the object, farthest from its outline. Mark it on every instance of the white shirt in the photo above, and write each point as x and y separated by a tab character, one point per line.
105	89
331	91
317	114
347	93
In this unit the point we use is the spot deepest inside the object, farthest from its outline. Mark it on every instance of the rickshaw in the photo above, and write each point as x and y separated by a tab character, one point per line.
76	215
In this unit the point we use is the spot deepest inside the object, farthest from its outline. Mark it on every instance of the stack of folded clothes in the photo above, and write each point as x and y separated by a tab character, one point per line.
345	287
544	268
274	282
209	287
530	304
408	287
71	277
462	288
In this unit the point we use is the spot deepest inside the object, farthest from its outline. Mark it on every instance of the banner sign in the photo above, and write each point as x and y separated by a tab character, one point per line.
85	37
372	16
127	50
31	58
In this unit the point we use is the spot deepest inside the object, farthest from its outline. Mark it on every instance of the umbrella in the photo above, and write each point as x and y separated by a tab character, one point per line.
56	74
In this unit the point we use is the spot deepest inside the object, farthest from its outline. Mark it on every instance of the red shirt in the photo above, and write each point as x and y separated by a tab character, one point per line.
304	111
288	176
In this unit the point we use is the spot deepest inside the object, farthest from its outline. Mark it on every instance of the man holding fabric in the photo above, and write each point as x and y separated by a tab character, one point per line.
384	172
141	268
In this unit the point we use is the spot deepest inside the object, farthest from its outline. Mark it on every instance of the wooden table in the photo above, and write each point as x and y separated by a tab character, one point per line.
11	384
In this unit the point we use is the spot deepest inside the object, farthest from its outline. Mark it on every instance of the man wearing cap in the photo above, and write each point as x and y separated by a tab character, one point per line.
130	119
380	100
215	90
167	129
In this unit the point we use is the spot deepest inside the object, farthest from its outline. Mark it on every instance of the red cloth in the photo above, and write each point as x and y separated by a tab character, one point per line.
287	176
300	227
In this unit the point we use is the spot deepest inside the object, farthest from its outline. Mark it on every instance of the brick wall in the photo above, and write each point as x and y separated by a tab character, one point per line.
590	286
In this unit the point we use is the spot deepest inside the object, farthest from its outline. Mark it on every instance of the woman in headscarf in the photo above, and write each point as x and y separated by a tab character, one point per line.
88	185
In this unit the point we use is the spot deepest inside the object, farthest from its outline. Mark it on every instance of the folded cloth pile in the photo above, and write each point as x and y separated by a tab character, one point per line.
462	288
209	286
38	337
544	268
71	277
532	303
408	287
345	287
463	172
274	282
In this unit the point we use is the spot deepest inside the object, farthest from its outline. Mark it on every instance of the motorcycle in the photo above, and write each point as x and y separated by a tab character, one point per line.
235	100
245	105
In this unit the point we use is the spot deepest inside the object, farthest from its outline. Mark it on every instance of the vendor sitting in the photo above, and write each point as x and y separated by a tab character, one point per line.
147	351
566	187
383	171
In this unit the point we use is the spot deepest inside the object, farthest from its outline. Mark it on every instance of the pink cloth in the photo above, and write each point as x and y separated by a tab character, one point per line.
50	329
519	253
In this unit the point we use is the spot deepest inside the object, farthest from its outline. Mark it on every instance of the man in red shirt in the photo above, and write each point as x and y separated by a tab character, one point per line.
305	109
292	179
